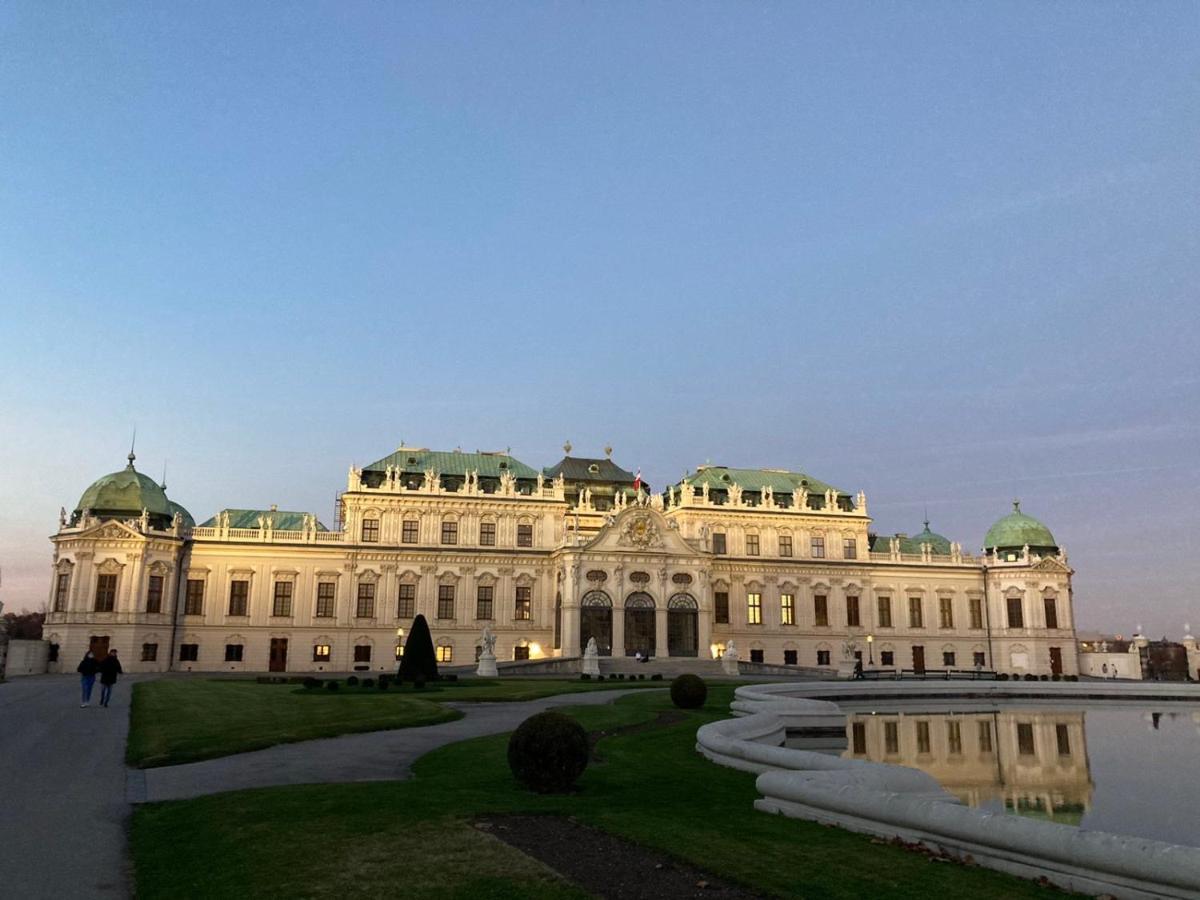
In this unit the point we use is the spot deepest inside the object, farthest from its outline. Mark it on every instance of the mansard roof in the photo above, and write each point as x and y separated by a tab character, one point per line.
417	460
780	481
284	520
581	468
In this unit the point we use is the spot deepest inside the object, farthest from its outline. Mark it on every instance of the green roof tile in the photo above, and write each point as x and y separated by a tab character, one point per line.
285	520
415	460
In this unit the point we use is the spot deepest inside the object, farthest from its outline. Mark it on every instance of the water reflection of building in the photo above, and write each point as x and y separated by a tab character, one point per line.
1034	762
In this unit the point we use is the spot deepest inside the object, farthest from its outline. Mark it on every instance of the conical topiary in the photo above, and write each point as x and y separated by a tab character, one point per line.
418	661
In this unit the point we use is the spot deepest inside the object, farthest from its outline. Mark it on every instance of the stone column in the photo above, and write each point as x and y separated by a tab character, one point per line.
618	629
660	630
704	619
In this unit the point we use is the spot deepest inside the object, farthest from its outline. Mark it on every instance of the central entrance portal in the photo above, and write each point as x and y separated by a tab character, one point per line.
640	635
596	621
682	625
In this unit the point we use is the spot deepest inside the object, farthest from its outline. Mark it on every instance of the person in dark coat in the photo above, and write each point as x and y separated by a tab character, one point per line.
110	668
87	669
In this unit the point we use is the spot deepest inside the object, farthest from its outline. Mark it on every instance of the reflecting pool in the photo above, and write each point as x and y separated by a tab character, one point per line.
1123	769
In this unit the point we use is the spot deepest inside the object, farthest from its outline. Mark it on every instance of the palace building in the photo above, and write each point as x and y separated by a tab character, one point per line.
777	563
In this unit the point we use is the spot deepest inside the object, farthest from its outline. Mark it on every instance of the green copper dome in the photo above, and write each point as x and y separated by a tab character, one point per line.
124	495
1016	530
188	521
941	545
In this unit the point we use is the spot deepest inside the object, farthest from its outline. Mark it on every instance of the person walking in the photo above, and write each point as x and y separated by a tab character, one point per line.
87	669
110	668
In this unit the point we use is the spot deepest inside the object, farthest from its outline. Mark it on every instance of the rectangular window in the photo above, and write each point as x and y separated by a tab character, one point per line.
149	652
320	653
852	617
817	545
362	653
407	602
449	532
106	593
1063	737
445	609
787	609
370	531
233	652
756	656
822	657
524	535
524	604
365	607
193	597
916	615
891	737
239	597
154	594
821	611
785	545
922	737
980	659
718	542
885	611
849	548
325	599
948	657
887	657
60	592
976	604
487	534
1025	739
945	612
753	608
721	607
445	653
1016	615
189	652
281	603
483	601
1051	612
789	657
752	545
409	529
985	737
858	736
520	653
954	737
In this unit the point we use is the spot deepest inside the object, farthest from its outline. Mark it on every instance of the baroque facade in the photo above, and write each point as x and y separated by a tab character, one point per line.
783	566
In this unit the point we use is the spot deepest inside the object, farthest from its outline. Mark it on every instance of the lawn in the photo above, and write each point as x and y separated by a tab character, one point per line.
414	838
186	720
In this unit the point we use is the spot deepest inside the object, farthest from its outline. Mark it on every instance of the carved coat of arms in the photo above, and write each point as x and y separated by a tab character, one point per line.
641	532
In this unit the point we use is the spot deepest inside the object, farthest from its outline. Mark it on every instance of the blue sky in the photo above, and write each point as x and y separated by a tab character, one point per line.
947	253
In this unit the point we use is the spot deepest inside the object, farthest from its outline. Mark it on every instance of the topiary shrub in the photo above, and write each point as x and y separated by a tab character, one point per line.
1056	677
689	691
657	676
312	683
548	752
368	682
1003	676
599	677
419	658
585	677
1071	677
1029	676
1043	677
352	681
332	685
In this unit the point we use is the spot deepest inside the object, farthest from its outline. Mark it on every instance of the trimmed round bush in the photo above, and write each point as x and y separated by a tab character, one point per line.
657	676
1056	677
548	752
331	685
1003	676
1029	676
368	682
689	691
312	683
352	681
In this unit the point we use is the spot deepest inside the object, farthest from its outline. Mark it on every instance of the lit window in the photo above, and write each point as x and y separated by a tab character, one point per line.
320	653
787	609
445	653
409	530
325	599
282	602
365	608
752	545
821	610
785	545
753	608
817	546
370	531
445	607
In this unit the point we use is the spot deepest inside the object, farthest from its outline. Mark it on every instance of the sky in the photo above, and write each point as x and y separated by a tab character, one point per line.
946	253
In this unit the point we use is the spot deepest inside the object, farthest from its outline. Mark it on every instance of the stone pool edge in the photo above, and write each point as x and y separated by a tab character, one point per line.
891	801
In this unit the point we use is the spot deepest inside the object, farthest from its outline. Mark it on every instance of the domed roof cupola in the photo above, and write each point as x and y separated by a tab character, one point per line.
1017	530
940	543
124	494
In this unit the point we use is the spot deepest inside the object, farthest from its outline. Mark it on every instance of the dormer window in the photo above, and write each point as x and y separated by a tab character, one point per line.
594	469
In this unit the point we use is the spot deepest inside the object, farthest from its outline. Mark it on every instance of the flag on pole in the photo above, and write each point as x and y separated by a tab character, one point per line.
637	481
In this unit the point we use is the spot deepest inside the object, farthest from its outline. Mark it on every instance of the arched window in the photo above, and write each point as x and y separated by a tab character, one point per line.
596	598
639	600
682	601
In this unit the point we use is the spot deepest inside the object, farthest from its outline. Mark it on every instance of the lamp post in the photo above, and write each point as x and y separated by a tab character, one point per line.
871	648
399	643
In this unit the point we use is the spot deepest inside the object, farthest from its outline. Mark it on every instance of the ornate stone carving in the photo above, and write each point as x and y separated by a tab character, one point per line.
640	531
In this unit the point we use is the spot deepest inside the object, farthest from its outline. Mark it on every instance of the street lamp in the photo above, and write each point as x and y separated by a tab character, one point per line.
399	642
871	647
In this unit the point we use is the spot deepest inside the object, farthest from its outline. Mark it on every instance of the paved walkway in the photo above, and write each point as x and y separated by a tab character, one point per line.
63	812
374	756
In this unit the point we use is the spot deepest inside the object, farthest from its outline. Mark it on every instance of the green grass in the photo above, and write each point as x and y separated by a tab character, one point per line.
185	720
413	838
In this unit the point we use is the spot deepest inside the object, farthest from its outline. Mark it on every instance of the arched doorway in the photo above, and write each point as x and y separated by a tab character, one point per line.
683	625
639	624
595	621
